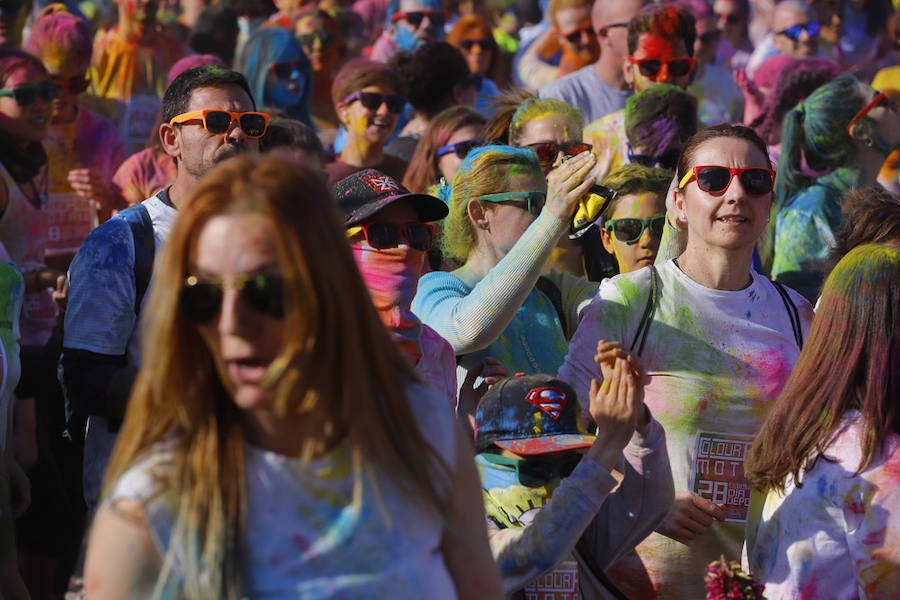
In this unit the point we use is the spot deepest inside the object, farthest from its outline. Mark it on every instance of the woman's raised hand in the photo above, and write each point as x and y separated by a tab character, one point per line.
568	183
616	405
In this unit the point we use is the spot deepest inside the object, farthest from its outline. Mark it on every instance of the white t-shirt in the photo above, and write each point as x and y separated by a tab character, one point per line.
303	536
716	360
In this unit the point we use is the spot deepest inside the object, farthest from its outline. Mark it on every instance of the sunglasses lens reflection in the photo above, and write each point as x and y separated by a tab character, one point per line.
201	301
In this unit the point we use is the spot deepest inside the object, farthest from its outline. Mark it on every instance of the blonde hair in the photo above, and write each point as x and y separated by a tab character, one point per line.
558	5
339	369
540	108
486	170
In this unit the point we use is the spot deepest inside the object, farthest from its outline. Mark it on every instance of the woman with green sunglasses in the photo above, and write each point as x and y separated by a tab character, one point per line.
505	220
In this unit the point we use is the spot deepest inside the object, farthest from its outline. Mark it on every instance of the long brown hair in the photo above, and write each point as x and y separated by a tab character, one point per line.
338	369
851	360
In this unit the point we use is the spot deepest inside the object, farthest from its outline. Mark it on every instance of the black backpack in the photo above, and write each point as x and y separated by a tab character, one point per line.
141	226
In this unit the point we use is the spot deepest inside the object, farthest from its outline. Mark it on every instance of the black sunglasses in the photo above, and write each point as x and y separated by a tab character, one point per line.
326	38
574	36
666	160
794	32
534	201
716	179
535	472
201	300
374	100
709	37
548	151
484	44
284	70
729	19
415	17
461	149
630	230
651	67
25	95
381	236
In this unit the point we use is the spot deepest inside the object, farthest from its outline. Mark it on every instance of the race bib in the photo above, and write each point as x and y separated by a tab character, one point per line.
70	218
717	473
138	121
559	584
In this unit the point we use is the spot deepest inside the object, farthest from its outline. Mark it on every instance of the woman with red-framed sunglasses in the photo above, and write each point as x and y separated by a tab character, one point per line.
710	331
836	139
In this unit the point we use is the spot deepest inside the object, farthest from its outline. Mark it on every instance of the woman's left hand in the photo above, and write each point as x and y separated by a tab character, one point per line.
569	183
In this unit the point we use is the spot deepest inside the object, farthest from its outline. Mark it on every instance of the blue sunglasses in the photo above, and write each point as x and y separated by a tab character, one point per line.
794	32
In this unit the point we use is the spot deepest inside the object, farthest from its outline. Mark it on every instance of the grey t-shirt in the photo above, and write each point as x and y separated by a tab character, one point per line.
588	93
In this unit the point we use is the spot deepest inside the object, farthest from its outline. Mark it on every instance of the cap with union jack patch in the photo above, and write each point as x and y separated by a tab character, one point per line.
530	414
366	192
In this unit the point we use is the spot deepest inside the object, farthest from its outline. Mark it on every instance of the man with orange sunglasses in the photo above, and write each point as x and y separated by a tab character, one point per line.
208	115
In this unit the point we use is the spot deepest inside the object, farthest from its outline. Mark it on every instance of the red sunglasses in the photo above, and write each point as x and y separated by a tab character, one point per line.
880	99
548	151
715	179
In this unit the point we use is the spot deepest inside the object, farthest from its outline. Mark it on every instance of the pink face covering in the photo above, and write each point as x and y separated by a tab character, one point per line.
392	276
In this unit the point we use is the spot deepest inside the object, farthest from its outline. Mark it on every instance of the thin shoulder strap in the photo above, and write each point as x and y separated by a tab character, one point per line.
649	311
138	219
793	313
546	286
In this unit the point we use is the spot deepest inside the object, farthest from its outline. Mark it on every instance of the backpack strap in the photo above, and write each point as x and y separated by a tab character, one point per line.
793	313
138	219
649	311
546	286
584	555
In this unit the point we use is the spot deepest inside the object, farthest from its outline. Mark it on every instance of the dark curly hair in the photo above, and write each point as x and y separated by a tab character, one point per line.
430	74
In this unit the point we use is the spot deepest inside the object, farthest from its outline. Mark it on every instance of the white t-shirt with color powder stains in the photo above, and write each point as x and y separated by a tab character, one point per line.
716	361
304	538
838	535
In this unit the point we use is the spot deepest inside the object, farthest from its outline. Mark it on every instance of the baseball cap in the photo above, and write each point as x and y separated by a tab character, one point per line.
364	193
530	414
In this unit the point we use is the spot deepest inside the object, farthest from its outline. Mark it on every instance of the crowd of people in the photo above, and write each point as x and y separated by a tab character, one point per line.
424	298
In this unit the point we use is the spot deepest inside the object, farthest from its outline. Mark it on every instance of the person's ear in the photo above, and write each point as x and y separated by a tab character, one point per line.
863	131
343	115
479	215
628	72
606	239
170	138
678	202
